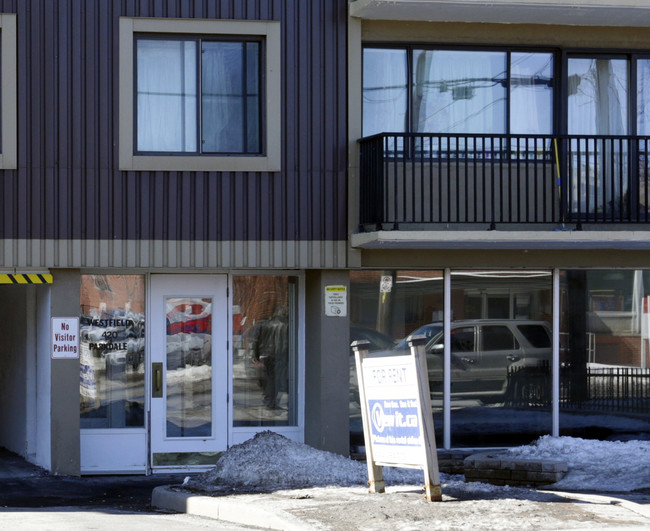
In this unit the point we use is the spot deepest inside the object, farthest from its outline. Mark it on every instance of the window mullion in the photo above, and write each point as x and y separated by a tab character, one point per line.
508	89
199	96
410	126
244	75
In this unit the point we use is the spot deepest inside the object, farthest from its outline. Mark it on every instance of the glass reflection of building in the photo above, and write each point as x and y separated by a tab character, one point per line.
505	362
112	351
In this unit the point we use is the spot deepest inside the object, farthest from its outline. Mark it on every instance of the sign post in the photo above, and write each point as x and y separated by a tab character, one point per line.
396	414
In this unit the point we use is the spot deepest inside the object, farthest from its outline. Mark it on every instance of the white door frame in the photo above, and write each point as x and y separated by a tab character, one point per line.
237	435
186	285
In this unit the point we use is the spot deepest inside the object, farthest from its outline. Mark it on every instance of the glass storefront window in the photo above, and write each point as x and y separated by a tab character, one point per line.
604	355
501	347
265	351
501	354
501	350
112	348
385	308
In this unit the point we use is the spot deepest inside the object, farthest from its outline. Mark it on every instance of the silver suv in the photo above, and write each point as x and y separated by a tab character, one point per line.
492	360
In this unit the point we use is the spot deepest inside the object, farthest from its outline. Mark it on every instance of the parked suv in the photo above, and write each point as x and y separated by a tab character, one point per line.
492	360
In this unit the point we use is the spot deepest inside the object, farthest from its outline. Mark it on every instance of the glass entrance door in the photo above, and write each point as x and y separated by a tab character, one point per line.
189	362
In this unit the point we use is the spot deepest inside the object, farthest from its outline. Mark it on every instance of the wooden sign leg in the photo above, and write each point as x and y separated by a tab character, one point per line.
432	488
375	473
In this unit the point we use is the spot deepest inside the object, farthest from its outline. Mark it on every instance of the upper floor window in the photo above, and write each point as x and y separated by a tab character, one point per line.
457	91
598	95
8	94
199	95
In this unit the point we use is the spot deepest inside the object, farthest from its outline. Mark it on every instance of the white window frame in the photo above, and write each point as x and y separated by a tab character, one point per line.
270	160
296	432
8	90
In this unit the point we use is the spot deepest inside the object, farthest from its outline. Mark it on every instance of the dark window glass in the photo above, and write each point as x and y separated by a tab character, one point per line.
536	335
462	340
498	338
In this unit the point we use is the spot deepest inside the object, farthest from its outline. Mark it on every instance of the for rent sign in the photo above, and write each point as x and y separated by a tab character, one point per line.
393	406
396	414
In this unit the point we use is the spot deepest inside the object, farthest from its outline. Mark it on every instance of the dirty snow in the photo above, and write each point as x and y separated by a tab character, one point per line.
270	461
611	466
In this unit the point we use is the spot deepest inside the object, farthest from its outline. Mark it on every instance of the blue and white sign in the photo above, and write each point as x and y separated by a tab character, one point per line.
395	422
391	391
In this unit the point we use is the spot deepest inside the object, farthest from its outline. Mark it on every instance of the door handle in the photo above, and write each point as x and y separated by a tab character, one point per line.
512	357
156	380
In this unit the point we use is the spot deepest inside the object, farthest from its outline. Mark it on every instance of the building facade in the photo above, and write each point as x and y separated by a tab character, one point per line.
498	204
184	162
224	194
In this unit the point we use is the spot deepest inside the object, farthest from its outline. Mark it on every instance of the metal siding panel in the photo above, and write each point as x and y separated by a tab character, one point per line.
171	254
68	185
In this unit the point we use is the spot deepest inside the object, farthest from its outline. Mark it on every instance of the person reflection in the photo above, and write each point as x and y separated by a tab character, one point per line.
271	348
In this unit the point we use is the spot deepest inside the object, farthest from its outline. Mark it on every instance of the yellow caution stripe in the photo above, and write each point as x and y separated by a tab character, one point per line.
27	278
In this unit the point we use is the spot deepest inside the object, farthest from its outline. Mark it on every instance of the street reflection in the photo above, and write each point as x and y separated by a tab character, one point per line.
189	367
112	349
264	353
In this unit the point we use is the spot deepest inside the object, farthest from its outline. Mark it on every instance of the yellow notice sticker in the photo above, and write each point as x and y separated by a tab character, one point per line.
336	301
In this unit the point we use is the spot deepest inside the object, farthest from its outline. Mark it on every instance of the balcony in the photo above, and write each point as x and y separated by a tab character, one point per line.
425	181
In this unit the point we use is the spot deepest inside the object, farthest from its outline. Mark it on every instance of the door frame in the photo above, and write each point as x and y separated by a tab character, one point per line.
225	277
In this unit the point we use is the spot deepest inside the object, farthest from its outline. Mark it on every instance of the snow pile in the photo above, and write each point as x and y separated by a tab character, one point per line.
609	466
271	461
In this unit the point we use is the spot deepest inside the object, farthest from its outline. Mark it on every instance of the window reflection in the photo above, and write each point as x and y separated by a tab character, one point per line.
501	382
265	354
501	350
385	308
604	378
189	367
112	347
459	91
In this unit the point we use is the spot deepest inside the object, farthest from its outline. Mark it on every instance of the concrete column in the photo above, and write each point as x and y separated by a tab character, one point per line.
64	302
327	353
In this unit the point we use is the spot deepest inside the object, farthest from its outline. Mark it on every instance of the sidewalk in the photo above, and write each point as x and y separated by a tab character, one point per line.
473	506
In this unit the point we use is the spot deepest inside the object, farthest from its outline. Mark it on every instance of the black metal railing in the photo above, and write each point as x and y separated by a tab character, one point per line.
624	389
427	178
616	389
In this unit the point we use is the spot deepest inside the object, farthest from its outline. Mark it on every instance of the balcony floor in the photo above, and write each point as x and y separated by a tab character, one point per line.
549	238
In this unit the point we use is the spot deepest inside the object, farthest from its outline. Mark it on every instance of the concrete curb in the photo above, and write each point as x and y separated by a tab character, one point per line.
245	510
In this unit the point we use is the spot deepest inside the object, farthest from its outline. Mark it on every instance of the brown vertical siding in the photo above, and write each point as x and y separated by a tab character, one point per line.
68	185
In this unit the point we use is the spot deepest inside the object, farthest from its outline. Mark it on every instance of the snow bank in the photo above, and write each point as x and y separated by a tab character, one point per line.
270	461
607	466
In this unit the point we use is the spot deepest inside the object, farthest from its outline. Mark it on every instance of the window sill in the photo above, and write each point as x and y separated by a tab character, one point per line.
203	163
